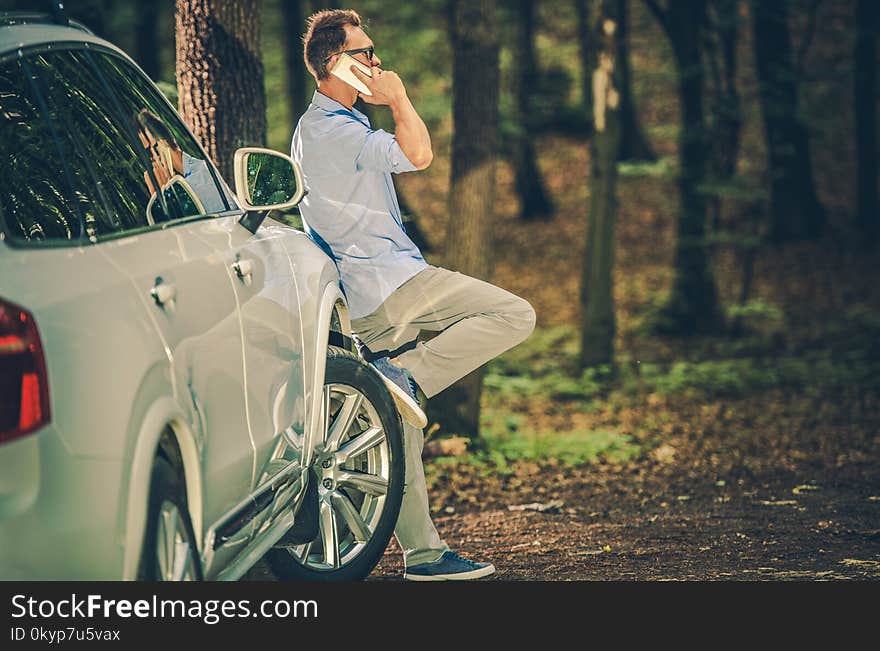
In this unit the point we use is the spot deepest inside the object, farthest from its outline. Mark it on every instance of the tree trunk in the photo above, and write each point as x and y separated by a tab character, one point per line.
582	9
795	209
725	116
535	204
220	76
294	26
597	295
633	144
472	188
146	47
866	118
693	304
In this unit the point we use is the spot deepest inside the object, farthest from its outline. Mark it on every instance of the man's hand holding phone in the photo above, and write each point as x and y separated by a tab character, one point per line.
386	86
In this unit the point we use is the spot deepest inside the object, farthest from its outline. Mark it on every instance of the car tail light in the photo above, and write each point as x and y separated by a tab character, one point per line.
24	384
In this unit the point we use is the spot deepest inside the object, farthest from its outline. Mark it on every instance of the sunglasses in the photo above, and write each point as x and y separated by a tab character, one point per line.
365	50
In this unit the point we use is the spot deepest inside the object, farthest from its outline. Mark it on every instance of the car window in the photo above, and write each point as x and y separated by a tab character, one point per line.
195	181
35	194
109	174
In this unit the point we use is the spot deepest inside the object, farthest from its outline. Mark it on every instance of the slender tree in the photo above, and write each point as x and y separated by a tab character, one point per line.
795	209
220	75
293	16
693	304
146	30
725	114
633	143
597	296
535	203
865	82
585	52
472	187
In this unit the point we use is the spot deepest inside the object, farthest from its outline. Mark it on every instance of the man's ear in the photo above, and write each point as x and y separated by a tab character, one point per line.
328	66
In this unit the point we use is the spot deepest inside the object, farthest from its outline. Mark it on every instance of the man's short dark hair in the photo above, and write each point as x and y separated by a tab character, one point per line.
147	120
325	37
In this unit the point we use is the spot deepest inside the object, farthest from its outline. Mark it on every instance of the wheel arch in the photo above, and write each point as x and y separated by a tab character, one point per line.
333	316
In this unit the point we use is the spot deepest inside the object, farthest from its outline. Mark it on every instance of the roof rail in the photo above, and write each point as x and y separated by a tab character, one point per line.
56	17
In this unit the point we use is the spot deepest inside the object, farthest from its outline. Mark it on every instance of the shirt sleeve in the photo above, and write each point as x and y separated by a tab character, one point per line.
380	152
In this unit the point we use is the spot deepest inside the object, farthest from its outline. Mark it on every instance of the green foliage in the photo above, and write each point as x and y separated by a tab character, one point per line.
756	309
740	377
169	89
737	188
663	168
506	440
290	217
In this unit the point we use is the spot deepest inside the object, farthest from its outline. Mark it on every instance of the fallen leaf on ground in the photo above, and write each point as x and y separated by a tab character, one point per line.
453	446
554	506
665	453
874	565
797	490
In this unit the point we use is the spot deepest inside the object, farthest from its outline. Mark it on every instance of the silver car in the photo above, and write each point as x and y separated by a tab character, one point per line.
178	395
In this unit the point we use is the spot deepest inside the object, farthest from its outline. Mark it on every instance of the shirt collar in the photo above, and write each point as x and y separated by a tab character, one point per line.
320	100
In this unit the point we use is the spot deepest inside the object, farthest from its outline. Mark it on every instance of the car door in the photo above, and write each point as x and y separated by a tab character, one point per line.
265	285
263	277
181	279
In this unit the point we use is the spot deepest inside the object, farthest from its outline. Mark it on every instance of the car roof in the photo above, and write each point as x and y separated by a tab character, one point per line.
25	35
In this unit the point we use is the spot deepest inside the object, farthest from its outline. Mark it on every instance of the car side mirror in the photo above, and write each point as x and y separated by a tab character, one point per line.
267	179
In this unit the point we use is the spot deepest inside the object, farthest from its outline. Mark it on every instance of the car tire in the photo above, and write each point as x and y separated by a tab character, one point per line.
169	550
350	377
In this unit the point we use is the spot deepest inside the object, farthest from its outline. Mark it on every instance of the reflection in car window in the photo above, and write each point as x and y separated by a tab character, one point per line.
36	201
161	130
106	168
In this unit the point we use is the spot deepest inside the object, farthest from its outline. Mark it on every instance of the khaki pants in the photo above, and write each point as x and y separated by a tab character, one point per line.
476	322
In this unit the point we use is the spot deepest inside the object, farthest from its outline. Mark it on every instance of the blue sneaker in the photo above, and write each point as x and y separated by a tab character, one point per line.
403	389
449	567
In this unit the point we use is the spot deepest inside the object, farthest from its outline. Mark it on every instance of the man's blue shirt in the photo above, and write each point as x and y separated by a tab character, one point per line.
351	208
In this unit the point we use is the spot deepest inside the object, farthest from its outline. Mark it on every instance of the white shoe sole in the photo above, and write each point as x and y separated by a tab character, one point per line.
409	409
459	576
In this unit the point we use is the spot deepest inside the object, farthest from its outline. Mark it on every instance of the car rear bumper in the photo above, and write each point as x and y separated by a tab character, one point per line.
58	512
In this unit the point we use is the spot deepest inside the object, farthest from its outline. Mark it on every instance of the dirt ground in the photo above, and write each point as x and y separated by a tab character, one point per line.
786	512
700	507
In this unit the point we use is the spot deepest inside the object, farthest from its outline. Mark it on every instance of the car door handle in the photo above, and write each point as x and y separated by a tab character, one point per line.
244	269
163	293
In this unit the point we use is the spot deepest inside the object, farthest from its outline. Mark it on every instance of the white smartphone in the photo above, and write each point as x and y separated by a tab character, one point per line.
342	69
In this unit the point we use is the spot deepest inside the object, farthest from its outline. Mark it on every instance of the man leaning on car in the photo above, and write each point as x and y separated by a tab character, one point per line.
352	212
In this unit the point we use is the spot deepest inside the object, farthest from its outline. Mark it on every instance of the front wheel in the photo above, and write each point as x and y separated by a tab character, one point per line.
359	471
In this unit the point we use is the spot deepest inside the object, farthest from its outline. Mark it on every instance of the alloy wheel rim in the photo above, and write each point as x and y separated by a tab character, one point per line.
173	548
353	465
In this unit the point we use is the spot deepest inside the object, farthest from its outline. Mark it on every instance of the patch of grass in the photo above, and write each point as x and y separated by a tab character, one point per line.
290	217
506	440
755	309
739	377
663	168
